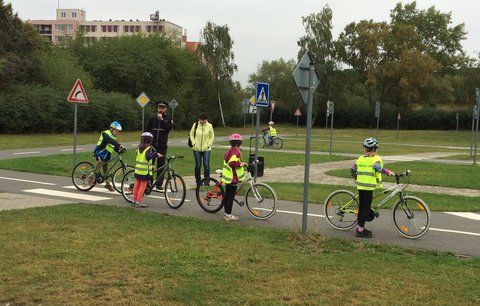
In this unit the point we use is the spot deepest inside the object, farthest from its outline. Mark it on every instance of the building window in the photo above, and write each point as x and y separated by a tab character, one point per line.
149	28
64	27
109	28
104	28
137	28
93	28
74	14
125	28
63	14
115	28
132	29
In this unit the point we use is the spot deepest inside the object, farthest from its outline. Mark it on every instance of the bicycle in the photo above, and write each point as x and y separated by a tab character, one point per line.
411	215
260	198
175	189
84	179
276	142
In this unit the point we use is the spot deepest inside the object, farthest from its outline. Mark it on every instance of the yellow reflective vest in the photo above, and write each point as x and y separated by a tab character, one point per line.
110	148
142	165
227	172
367	177
272	131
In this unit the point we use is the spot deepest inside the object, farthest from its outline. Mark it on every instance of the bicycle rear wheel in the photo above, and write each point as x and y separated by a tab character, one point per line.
128	183
83	177
341	209
209	194
118	177
175	191
261	201
277	143
411	217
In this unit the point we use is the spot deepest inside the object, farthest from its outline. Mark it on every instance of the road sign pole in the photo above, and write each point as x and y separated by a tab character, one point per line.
458	119
296	131
75	134
143	119
326	123
473	132
244	120
331	133
398	125
477	95
307	148
257	131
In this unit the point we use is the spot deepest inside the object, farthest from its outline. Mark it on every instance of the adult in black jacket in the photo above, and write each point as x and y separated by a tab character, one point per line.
160	125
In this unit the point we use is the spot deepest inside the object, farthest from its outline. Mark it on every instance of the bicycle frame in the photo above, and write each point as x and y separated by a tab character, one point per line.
115	161
397	189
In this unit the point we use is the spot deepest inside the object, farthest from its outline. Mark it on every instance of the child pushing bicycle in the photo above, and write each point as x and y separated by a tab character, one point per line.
367	171
144	158
233	173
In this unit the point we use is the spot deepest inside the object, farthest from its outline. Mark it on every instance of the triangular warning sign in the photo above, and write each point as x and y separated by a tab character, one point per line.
297	113
261	97
78	94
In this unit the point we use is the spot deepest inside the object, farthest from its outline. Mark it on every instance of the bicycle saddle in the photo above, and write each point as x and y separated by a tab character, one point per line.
218	171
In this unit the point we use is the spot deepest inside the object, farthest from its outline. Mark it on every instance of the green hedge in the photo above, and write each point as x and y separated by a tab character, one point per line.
41	109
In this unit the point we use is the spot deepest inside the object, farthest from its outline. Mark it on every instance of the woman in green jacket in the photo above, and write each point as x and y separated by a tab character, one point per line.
202	136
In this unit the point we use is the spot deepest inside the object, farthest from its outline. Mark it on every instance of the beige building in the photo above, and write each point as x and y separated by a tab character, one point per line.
69	21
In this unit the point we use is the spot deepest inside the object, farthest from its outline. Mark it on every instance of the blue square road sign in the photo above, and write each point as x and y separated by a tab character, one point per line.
262	94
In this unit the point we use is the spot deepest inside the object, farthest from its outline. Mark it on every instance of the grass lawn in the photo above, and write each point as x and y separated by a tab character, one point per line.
62	164
318	193
432	174
105	255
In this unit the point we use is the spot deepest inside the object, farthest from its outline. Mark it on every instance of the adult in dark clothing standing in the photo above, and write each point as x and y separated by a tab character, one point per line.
160	125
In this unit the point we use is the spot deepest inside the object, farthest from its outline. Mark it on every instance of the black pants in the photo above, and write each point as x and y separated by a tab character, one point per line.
228	198
161	163
365	197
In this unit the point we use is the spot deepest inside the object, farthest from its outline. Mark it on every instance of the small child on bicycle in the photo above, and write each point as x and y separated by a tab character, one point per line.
107	143
144	158
233	172
367	171
270	132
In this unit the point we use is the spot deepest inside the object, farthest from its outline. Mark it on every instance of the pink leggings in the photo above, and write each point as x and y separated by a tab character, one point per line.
139	189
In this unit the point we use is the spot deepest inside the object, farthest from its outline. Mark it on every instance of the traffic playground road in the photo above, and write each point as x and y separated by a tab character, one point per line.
454	232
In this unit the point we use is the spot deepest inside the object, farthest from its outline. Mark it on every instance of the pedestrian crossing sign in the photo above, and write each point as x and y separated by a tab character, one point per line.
262	94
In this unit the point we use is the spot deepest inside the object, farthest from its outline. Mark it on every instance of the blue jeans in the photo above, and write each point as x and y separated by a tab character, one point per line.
199	157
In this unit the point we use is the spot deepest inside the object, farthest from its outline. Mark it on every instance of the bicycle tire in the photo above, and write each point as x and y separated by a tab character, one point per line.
277	143
255	210
118	185
205	194
84	176
331	207
172	191
261	142
128	183
420	206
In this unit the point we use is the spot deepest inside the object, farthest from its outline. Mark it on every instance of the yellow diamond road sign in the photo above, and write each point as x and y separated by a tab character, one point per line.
143	99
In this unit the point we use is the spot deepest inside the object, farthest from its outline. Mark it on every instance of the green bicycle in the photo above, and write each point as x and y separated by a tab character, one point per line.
411	215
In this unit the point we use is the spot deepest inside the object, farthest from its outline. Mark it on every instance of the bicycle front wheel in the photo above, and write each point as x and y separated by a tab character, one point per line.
261	201
341	209
261	142
209	194
127	186
175	191
83	177
118	177
411	217
277	143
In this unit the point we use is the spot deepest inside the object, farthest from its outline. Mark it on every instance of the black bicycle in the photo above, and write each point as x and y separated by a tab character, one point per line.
84	178
175	189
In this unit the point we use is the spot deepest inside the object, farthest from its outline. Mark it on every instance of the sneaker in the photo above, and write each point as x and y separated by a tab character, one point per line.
142	205
363	234
134	204
160	189
231	218
109	187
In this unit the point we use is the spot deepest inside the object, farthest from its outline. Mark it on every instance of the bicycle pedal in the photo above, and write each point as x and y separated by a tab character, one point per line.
377	214
241	203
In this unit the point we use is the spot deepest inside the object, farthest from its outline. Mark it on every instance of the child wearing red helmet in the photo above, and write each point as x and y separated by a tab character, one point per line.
233	172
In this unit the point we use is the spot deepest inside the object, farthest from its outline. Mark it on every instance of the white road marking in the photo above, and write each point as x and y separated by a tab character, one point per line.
69	195
67	150
467	215
32	152
102	190
26	181
432	228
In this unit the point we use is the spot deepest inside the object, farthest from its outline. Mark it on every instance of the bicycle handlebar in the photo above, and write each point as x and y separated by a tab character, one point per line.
405	173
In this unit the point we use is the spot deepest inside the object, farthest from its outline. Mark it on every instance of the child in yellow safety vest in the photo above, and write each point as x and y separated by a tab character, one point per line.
144	157
233	172
269	133
367	171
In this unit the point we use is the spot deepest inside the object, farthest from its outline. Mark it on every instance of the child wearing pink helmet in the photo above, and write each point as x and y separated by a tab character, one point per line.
233	172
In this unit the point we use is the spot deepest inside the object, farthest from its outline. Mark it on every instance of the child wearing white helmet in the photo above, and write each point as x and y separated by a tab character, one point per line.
106	144
270	132
233	172
367	171
144	157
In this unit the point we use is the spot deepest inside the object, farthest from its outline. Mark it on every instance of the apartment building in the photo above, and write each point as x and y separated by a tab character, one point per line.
70	21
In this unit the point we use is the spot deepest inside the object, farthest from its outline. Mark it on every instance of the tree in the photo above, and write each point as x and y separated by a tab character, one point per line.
318	41
216	51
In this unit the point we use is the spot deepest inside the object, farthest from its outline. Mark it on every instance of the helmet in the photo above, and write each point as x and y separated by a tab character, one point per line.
271	123
370	143
115	125
147	135
236	136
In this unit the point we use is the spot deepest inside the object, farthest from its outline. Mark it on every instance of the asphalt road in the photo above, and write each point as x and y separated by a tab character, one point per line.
457	233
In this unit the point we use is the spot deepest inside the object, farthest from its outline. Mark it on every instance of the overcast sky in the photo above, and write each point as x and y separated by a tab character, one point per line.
261	29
